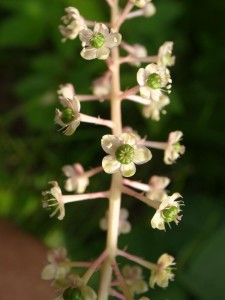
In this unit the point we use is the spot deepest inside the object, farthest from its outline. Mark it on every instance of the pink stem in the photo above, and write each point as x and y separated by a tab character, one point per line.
140	261
130	192
94	120
96	264
124	14
116	294
93	171
153	144
137	185
138	99
122	282
88	196
129	92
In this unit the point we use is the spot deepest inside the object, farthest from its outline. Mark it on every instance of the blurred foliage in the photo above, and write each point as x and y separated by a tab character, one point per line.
33	64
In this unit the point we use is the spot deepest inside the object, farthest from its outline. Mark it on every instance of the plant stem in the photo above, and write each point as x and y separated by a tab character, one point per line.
116	183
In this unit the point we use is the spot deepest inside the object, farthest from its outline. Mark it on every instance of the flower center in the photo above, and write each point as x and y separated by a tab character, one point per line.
97	40
154	81
125	154
170	214
177	147
72	294
67	115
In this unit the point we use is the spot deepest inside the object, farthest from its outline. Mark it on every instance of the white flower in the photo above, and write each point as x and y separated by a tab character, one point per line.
97	43
77	179
56	269
149	10
124	153
153	109
66	91
165	57
124	225
157	185
163	272
167	212
102	87
152	80
140	3
173	149
73	23
69	118
55	202
134	279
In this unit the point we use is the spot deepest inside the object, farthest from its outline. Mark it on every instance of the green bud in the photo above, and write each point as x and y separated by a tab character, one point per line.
97	40
170	214
125	154
67	115
72	294
154	81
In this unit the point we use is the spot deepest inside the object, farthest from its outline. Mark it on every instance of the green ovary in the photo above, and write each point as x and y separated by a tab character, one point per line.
98	40
72	294
170	214
125	154
67	115
177	147
154	81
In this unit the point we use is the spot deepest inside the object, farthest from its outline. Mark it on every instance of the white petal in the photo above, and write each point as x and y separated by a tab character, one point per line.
110	164
110	143
85	36
129	138
72	127
113	40
175	137
49	272
101	28
145	92
128	170
142	155
102	53
76	104
151	68
157	221
174	197
141	76
89	53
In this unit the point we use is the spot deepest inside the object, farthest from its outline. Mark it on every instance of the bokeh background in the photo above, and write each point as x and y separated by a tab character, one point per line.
33	64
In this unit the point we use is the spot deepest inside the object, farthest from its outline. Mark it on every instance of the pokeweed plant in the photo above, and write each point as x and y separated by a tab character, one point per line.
125	150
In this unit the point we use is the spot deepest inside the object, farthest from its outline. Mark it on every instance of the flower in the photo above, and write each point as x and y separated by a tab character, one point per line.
165	57
157	187
140	3
73	23
153	109
97	43
102	87
66	91
134	279
78	290
173	148
152	79
124	225
167	212
69	118
124	153
163	272
77	180
55	202
56	269
149	10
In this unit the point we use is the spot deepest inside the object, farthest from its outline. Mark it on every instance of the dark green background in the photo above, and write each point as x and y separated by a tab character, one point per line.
34	62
